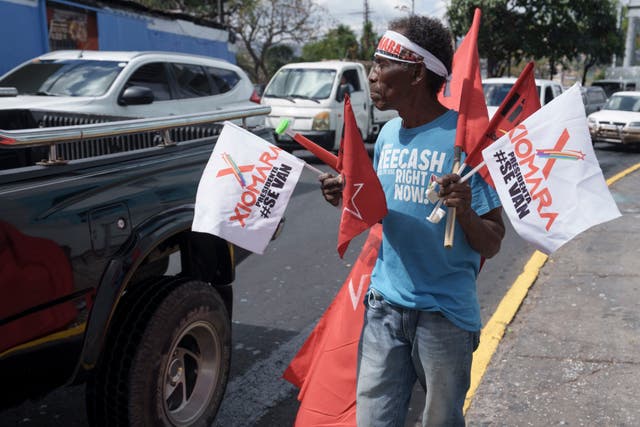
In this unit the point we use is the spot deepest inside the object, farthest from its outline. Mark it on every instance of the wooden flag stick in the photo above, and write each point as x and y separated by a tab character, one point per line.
451	215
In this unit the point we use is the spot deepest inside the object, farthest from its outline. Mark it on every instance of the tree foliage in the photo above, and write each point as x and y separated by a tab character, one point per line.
266	29
554	30
599	37
368	41
499	40
263	24
339	43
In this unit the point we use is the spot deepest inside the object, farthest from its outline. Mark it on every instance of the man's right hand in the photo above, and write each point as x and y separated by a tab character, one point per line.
331	186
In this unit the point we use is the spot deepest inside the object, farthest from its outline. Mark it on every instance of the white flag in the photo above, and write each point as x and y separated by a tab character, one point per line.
245	189
547	175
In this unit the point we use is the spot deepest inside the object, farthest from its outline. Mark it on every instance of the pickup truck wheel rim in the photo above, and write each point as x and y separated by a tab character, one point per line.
191	373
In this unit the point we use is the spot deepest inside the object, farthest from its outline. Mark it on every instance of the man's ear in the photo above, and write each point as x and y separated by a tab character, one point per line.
419	74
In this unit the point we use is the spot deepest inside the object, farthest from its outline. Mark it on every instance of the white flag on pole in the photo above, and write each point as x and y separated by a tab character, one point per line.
245	189
547	175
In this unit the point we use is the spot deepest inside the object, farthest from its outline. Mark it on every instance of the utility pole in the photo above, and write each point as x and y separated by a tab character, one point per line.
365	13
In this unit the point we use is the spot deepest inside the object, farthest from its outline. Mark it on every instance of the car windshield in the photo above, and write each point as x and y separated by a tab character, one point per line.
623	103
302	83
494	93
74	77
610	87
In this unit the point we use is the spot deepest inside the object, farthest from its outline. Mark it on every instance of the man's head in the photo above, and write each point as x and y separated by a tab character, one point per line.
431	35
412	59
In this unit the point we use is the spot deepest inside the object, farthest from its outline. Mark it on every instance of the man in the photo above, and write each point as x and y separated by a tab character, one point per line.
422	317
345	88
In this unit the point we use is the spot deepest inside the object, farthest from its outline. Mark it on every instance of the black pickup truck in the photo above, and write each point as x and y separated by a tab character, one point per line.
101	278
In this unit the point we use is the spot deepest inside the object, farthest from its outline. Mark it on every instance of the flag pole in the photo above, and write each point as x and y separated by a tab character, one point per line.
313	168
451	217
324	155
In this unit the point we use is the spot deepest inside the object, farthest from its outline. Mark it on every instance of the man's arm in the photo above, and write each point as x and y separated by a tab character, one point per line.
484	233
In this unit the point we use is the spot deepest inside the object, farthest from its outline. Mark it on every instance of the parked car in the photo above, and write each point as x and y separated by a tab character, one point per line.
75	87
102	280
619	120
496	88
612	86
594	98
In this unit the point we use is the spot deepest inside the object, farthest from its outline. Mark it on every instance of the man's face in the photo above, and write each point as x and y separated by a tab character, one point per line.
390	83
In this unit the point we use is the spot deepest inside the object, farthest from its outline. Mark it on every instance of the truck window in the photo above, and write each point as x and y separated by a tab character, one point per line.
77	77
548	94
154	77
302	82
352	78
494	93
192	81
222	80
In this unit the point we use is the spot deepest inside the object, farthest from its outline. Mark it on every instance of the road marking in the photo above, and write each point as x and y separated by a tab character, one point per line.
493	332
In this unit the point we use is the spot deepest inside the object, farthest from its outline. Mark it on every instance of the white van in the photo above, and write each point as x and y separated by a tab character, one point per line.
311	97
496	88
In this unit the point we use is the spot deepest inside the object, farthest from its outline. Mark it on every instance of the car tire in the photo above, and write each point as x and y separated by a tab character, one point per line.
168	360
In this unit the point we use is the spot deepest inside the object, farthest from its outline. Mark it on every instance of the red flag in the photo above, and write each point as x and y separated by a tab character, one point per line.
467	96
521	101
363	201
325	367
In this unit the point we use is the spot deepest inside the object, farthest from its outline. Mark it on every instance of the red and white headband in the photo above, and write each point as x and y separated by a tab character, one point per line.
397	47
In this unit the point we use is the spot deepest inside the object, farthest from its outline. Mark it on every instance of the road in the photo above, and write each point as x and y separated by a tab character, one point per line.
278	298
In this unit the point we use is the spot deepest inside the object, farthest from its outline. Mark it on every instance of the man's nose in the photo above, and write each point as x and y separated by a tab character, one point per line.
373	75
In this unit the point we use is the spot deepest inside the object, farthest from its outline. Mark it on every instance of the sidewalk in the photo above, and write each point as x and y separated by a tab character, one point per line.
571	356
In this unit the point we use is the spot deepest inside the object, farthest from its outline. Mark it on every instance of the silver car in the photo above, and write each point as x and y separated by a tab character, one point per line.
85	84
619	120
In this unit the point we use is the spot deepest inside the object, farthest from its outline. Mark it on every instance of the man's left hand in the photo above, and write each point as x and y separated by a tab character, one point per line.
455	194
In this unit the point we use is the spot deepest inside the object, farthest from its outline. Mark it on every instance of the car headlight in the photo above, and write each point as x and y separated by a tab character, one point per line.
592	123
633	125
321	121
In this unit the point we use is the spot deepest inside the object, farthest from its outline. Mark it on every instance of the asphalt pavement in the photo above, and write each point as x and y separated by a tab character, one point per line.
571	354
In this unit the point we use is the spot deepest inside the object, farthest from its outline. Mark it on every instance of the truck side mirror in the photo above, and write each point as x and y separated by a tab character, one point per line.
136	95
342	90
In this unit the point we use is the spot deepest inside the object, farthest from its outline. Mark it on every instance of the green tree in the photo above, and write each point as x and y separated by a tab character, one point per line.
500	37
554	30
338	43
599	36
368	42
551	30
278	56
264	24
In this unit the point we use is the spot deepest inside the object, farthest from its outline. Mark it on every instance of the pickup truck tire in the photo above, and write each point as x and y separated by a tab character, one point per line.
168	359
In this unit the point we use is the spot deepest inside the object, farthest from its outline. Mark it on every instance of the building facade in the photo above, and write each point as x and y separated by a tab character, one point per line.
33	27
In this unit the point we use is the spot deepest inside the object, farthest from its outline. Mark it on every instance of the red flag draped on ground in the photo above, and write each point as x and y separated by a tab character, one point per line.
325	367
363	201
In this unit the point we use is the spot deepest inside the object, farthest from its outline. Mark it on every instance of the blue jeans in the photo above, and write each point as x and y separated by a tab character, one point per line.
399	346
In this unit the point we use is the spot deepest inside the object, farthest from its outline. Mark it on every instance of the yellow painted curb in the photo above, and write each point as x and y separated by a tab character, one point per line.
493	332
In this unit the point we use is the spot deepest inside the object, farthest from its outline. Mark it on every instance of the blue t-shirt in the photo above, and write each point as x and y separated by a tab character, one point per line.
414	269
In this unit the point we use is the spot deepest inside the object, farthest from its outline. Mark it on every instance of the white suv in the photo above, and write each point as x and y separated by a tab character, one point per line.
496	88
68	87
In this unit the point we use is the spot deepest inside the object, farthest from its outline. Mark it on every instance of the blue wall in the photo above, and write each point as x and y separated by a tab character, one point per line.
132	32
23	34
